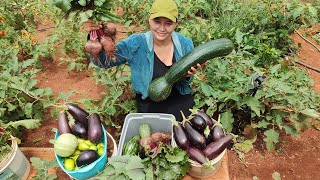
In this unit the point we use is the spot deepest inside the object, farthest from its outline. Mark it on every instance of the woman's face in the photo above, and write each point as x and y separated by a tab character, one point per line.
162	28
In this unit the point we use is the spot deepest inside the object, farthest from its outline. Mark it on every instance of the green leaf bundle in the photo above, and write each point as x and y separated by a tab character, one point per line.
82	10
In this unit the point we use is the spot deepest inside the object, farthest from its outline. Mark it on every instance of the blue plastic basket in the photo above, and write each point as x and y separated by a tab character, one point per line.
90	170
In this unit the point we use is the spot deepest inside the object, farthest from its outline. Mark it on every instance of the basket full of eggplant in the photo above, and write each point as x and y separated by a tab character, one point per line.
80	146
204	140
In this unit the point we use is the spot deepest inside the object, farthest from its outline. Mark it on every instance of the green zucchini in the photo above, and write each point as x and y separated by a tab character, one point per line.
160	88
132	147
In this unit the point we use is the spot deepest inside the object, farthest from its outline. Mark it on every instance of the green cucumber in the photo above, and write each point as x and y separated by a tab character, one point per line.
144	130
160	88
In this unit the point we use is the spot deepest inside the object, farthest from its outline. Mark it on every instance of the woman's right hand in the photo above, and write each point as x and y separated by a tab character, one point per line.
90	25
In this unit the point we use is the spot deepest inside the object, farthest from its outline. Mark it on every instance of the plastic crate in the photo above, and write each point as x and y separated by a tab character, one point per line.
158	122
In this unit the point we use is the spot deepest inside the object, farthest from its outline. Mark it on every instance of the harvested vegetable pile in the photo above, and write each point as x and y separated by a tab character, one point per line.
201	137
148	156
80	141
146	144
98	11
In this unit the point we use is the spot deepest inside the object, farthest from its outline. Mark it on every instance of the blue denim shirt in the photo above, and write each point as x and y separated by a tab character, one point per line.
137	50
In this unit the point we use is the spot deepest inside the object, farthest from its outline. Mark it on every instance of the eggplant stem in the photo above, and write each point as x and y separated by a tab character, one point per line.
208	164
194	112
175	122
184	119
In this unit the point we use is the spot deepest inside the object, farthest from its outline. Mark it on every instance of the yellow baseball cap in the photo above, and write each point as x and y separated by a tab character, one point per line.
164	8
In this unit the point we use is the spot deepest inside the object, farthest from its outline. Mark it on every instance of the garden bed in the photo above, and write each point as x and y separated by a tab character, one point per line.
294	158
297	152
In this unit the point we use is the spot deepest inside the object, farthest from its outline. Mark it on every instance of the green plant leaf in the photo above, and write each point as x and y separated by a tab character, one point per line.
311	113
111	110
109	173
38	92
67	95
84	16
125	167
276	176
289	129
206	89
227	120
300	121
82	2
99	3
43	167
127	23
245	146
134	168
169	173
177	155
261	124
239	36
297	12
27	123
272	137
11	107
2	110
28	63
64	5
28	109
254	104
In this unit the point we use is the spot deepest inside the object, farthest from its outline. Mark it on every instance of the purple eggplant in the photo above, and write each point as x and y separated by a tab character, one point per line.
205	117
94	128
87	157
217	133
78	113
197	155
63	123
214	149
180	136
79	130
195	138
198	123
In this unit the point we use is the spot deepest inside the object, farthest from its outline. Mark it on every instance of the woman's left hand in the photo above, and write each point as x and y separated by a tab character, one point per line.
193	70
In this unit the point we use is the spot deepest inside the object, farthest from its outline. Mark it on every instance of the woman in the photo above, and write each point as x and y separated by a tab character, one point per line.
150	55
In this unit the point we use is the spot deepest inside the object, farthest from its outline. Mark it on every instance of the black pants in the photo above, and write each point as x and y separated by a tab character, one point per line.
172	105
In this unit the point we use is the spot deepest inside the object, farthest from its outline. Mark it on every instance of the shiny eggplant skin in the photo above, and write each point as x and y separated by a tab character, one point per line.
94	128
195	138
79	130
217	133
87	157
197	155
214	149
63	123
208	120
198	123
180	137
78	113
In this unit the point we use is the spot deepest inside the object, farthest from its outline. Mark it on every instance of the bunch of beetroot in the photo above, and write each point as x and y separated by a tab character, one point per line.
201	137
102	39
